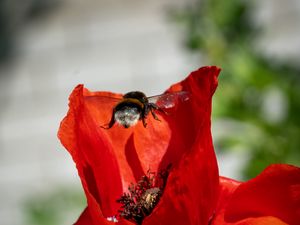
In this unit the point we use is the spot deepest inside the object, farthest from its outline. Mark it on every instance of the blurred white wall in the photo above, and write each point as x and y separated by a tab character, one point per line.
106	45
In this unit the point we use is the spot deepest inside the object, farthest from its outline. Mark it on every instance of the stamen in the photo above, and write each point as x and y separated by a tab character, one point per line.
143	196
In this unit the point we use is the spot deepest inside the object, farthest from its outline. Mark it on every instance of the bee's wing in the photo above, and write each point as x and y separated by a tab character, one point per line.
169	100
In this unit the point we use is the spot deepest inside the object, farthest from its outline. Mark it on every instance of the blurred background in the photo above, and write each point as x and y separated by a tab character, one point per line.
47	47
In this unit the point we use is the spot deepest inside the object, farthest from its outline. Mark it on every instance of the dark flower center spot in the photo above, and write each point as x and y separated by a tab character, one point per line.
143	196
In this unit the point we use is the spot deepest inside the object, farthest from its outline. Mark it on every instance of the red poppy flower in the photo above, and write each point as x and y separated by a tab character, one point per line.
109	160
272	198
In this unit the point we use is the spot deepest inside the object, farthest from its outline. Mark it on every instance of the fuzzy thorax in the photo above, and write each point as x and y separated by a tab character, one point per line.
127	116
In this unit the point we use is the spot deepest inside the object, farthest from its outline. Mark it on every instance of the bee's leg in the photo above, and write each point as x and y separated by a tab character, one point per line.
153	114
111	122
153	107
144	121
144	114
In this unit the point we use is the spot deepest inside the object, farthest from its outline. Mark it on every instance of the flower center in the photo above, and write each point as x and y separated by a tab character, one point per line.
143	196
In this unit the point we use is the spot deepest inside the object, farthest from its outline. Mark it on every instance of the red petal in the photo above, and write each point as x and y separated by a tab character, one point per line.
265	220
274	193
98	170
190	195
85	218
226	189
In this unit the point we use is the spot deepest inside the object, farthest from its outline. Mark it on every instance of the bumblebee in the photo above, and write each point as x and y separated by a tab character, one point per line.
135	106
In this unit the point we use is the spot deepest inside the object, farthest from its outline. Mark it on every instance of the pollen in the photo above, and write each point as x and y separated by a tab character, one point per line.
142	197
150	198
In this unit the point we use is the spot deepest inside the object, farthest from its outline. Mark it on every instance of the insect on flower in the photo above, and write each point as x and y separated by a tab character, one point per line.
135	106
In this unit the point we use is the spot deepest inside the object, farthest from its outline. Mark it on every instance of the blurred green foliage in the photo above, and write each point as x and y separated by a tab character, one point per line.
63	206
258	93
